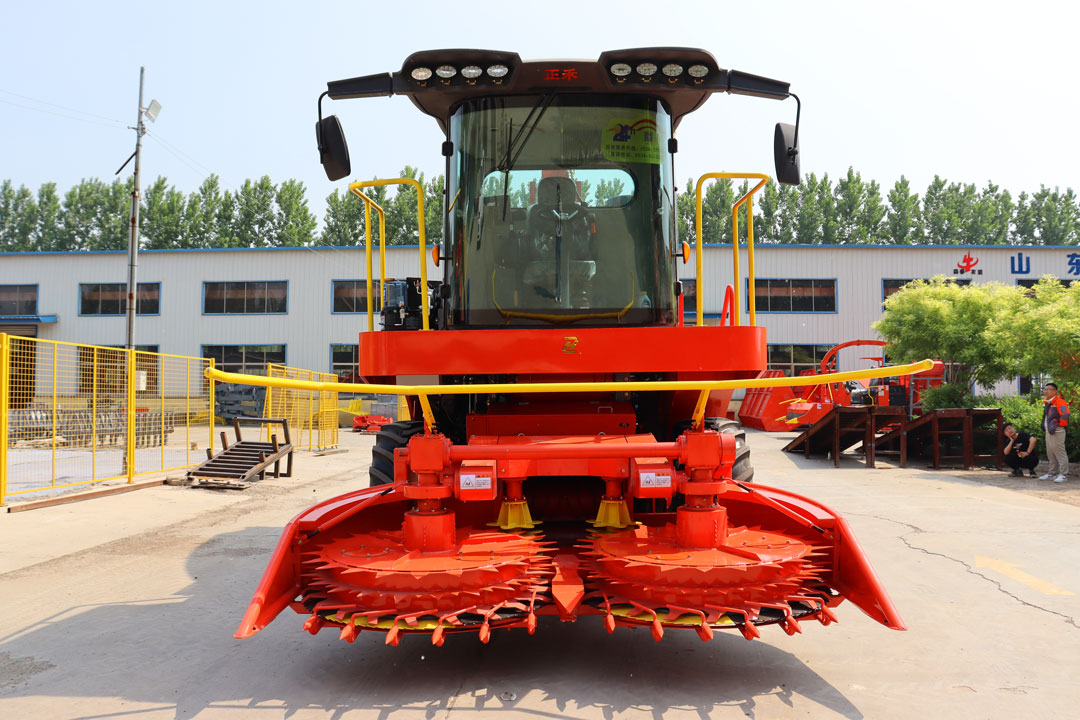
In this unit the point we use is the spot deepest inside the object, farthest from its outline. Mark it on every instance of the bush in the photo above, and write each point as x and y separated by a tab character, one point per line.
949	395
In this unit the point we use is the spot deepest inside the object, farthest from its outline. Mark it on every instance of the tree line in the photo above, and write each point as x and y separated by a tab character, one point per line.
93	215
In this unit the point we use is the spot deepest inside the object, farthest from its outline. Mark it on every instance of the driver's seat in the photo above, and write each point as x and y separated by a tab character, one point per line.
557	211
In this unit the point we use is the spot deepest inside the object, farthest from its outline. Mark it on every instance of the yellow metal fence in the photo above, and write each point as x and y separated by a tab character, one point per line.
312	414
74	414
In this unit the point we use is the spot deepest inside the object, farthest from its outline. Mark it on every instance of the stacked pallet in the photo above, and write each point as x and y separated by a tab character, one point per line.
233	401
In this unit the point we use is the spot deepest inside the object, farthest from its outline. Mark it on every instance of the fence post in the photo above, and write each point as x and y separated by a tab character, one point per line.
213	408
5	369
129	451
54	354
311	411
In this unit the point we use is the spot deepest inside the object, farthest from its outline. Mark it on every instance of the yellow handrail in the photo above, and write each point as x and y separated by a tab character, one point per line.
705	386
353	187
748	200
368	204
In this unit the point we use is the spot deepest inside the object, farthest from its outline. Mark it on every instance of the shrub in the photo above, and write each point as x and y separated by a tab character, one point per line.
949	395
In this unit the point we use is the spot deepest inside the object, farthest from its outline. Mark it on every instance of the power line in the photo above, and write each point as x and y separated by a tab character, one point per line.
177	155
62	115
178	151
61	107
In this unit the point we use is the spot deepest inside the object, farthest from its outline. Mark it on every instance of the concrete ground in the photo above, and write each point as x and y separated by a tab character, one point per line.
124	607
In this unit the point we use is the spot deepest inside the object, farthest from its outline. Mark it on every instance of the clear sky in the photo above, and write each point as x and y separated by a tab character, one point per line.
973	91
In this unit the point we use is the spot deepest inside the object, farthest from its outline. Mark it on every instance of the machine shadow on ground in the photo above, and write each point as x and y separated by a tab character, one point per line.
176	657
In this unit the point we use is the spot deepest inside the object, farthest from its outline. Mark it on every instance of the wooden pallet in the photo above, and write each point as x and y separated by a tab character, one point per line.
934	435
245	460
843	427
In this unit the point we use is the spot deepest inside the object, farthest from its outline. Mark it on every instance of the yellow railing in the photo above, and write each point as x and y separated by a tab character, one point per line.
355	188
312	414
704	387
748	200
73	414
368	204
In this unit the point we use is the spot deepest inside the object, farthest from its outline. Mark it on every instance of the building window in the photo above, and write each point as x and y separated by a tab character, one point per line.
246	298
350	296
102	371
247	359
793	359
344	360
18	300
1022	282
689	296
111	299
891	285
794	296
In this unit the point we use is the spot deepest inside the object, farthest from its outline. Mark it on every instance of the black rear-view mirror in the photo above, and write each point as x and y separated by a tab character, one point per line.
786	154
333	150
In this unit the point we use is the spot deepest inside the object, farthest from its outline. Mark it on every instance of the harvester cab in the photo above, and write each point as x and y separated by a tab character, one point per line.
574	457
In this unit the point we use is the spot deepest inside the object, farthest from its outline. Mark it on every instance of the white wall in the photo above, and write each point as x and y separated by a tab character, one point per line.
310	328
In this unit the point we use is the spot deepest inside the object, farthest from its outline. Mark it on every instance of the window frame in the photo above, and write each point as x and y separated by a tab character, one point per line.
226	283
123	287
18	301
758	310
356	350
243	364
375	287
792	366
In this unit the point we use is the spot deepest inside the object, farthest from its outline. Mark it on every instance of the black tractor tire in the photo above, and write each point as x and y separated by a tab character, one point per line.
387	440
742	470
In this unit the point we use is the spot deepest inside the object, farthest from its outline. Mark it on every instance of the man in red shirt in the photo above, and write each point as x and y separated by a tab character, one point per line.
1055	420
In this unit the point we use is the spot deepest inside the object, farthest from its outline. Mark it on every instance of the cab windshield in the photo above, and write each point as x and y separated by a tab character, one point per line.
561	212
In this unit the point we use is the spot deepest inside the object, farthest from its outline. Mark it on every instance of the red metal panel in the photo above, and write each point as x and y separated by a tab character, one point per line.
513	351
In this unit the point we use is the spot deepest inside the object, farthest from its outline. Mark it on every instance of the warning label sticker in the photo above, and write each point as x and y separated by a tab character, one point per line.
655	480
631	141
475	482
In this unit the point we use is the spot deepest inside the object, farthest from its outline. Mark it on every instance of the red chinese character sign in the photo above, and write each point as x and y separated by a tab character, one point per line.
552	74
967	265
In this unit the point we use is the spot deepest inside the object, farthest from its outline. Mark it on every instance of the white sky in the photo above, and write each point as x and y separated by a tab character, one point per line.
971	91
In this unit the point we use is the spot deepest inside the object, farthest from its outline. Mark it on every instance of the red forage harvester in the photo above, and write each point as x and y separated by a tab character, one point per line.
573	458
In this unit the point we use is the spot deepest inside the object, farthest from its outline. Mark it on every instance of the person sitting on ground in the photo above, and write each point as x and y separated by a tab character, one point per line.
1020	453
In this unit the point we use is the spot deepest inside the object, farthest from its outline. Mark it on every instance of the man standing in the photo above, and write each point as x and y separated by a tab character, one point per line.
1055	419
1020	453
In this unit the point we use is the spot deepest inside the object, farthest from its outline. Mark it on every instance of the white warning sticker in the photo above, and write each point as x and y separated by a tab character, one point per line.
475	482
655	480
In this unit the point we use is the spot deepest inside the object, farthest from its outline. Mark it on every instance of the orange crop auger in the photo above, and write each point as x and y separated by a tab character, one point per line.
573	458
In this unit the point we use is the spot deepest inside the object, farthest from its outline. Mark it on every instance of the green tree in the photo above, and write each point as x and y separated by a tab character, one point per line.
1049	217
18	217
343	223
607	189
943	321
254	223
1041	329
294	224
46	234
989	217
904	216
434	206
201	215
809	215
161	223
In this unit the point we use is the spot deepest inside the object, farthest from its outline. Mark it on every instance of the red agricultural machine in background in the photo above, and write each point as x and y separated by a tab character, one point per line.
573	458
782	409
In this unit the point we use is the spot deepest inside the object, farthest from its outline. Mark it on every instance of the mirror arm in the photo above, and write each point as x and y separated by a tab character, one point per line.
794	149
318	126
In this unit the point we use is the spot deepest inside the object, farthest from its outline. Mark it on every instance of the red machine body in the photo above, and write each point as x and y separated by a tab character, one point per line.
579	496
369	424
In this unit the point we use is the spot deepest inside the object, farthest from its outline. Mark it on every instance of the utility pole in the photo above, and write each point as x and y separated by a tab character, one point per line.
133	243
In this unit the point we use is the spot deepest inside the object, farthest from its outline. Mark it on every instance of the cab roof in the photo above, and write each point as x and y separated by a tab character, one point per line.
635	71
